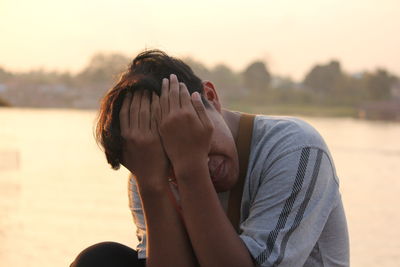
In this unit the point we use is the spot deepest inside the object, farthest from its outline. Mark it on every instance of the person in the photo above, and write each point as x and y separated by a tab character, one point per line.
169	129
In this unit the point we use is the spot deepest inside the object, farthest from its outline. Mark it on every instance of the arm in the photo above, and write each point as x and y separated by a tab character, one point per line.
143	155
212	236
167	240
295	197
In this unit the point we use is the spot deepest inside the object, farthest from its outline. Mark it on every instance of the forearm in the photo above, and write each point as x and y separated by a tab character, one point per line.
213	237
167	241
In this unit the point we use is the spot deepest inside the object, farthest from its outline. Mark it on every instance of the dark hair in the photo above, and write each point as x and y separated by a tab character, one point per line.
145	72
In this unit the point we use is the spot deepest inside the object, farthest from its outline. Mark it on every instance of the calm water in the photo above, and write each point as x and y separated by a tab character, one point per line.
58	196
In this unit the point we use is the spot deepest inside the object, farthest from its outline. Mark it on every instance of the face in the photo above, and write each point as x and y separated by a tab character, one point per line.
223	158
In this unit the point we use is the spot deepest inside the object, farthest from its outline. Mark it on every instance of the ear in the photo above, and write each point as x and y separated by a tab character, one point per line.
211	94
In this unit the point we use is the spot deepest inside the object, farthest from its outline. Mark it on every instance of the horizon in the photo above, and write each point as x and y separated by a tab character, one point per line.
184	58
289	36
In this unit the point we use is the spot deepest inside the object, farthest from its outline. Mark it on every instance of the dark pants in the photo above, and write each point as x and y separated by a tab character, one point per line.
108	254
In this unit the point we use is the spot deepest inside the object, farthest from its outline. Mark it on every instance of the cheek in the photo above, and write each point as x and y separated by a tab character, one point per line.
220	143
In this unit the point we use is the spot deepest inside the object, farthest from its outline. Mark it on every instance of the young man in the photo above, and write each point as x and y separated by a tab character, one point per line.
168	128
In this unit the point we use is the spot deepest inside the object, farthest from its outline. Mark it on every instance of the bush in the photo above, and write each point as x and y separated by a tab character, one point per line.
4	103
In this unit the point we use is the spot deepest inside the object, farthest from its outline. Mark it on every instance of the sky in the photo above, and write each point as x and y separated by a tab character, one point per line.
291	36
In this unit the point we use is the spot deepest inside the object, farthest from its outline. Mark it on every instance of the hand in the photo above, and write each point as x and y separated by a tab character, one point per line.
185	127
143	153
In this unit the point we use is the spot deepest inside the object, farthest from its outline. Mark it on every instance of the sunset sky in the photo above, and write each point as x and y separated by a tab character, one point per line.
290	35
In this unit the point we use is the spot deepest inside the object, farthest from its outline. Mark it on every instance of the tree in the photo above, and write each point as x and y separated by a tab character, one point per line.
198	68
379	84
324	78
4	75
256	76
102	68
4	103
225	79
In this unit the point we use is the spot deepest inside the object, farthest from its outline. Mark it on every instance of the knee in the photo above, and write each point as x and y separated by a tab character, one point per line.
106	254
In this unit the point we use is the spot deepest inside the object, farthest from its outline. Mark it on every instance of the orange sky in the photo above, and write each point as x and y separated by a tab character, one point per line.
290	35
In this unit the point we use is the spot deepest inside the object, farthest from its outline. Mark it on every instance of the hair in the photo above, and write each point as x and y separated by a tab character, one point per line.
146	71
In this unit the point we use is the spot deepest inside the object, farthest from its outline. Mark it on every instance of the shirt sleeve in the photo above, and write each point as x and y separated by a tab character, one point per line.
135	205
296	194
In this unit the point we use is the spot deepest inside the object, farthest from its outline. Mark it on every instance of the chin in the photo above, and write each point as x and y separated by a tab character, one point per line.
226	184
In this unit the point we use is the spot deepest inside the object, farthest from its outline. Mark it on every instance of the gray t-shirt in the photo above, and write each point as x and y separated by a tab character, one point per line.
291	210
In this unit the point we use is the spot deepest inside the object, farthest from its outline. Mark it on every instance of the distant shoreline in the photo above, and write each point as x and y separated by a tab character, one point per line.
297	110
301	110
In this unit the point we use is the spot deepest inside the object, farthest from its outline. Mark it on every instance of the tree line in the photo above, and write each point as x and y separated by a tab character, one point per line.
324	84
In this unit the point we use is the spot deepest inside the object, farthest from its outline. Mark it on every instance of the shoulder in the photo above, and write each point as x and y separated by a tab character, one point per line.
285	134
281	143
281	138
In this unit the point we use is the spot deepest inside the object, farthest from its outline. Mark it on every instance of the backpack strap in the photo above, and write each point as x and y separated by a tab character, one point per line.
243	143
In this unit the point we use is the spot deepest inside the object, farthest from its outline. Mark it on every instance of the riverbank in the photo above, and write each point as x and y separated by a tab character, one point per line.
296	110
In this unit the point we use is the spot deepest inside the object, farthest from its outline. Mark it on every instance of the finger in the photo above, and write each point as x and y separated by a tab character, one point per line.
124	113
144	120
184	95
201	110
164	101
174	102
155	112
134	110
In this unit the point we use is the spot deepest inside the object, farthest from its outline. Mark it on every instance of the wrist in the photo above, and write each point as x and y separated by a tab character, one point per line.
190	168
150	186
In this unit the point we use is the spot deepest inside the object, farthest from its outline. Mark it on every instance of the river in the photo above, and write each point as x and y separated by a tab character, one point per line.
58	195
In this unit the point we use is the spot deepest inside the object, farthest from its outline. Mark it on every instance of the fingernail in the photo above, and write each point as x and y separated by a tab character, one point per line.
172	76
196	95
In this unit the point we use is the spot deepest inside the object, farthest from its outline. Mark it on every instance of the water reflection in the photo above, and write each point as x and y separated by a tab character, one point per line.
58	196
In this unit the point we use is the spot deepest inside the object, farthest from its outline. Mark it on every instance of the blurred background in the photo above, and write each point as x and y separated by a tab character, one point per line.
334	63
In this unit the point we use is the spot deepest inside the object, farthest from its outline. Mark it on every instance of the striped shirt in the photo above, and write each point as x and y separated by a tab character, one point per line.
291	210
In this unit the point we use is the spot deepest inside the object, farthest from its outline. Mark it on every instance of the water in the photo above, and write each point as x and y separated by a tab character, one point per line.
58	195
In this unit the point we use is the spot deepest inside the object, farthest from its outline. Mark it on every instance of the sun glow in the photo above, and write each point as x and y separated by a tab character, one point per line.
290	36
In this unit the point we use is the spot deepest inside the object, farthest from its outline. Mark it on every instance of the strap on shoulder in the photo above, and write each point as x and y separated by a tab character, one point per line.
243	143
